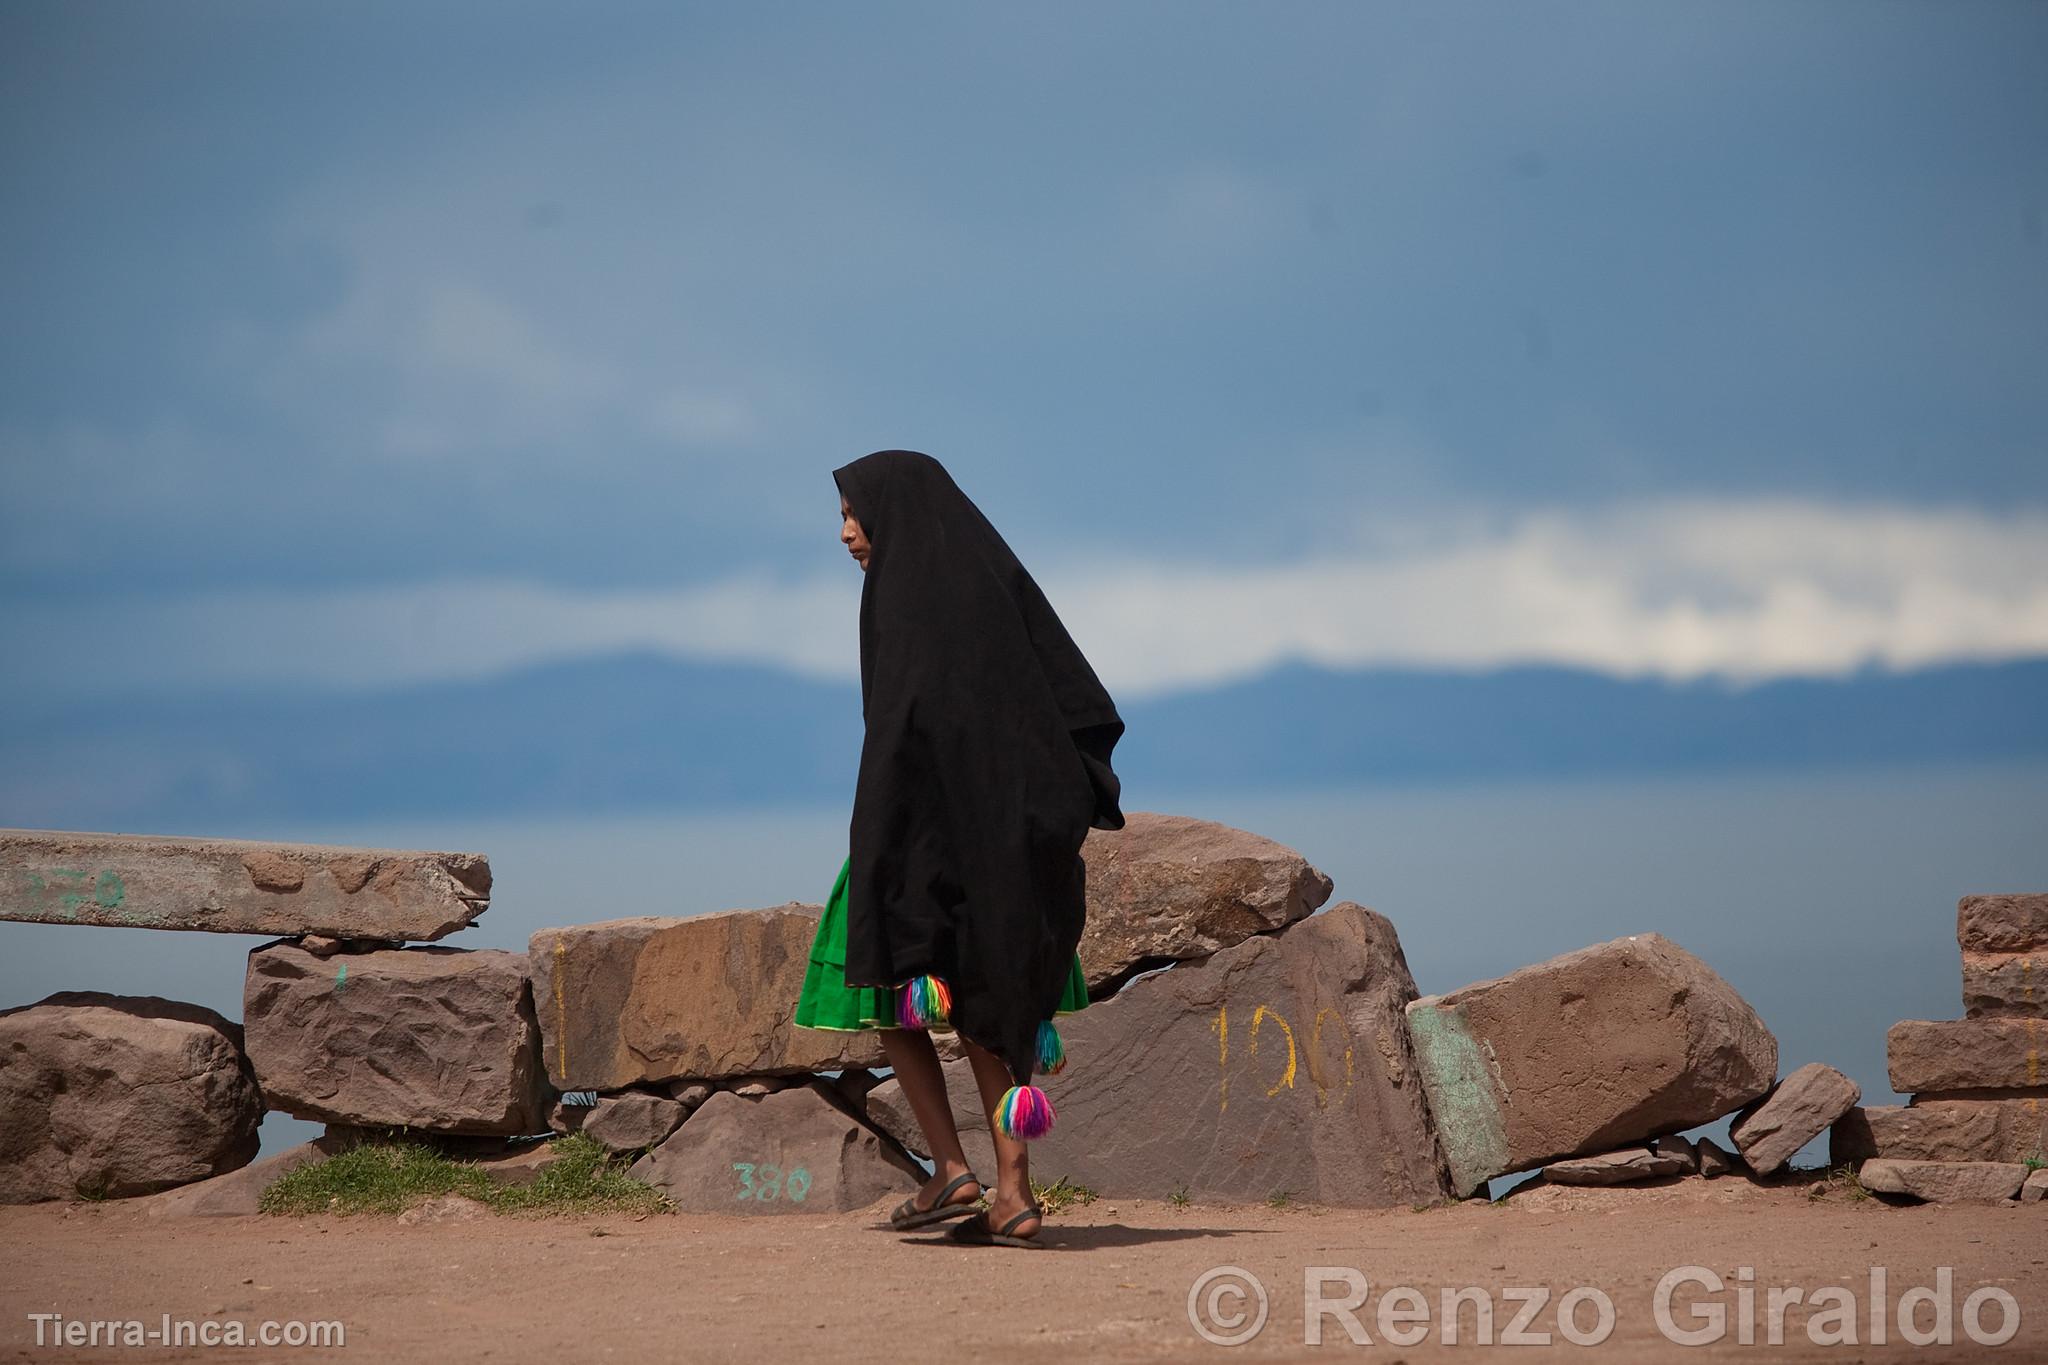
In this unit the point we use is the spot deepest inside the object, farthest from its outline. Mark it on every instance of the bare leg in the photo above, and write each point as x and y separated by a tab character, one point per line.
1013	1161
916	1063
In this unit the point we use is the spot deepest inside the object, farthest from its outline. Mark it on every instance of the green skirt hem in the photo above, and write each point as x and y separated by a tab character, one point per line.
828	1004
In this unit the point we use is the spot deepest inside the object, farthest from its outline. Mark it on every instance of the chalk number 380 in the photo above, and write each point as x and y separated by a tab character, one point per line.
767	1182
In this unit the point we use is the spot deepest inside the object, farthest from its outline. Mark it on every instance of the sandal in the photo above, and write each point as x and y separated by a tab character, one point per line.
977	1232
908	1215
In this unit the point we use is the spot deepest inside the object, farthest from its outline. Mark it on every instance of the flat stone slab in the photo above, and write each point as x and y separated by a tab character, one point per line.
236	886
1624	1167
1799	1109
430	1038
2002	924
1281	1065
1942	1130
799	1150
2035	1188
1605	1046
117	1095
630	1001
1995	1053
1944	1182
237	1194
2005	983
1168	887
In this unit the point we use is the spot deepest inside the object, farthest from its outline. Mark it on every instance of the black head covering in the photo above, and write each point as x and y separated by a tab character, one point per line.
986	761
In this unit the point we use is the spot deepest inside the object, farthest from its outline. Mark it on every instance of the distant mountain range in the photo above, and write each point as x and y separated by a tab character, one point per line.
644	732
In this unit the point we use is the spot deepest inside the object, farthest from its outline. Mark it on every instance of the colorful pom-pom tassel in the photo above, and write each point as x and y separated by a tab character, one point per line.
1052	1053
923	1001
1024	1113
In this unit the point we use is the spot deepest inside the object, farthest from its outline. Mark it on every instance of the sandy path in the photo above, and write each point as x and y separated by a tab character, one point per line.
1113	1286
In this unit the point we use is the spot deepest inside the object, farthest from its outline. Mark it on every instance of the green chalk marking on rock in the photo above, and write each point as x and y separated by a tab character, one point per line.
109	891
341	976
1463	1094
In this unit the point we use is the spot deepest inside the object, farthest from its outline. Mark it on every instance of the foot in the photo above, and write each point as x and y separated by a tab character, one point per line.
1008	1205
927	1194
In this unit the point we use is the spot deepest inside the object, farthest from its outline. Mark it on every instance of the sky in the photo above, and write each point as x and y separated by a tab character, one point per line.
360	345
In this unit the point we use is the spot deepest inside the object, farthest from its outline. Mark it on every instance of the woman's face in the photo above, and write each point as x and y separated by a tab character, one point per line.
850	535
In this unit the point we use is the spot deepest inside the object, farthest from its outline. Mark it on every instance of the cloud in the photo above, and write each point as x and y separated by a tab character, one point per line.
1741	589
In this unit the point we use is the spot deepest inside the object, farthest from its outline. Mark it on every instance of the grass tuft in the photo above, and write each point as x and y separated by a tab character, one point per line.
1060	1194
383	1176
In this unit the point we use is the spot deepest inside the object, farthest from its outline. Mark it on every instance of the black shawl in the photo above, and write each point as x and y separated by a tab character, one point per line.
986	761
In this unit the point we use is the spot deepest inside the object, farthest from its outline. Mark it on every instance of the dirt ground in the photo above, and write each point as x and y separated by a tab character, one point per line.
1113	1284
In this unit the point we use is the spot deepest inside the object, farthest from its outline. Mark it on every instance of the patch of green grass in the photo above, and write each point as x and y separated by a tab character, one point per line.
392	1176
1280	1199
583	1178
1060	1194
1179	1198
1840	1179
2036	1161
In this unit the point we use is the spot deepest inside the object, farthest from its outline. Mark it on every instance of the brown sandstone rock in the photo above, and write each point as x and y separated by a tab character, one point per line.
440	1039
2005	983
1944	1182
1959	1054
1943	1130
237	886
1678	1148
709	997
632	1120
1616	1168
1614	1043
2035	1189
1716	1160
238	1193
1167	887
1281	1064
2002	924
1798	1110
117	1095
796	1151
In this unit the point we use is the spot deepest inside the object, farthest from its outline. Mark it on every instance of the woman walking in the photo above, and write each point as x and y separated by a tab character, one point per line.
985	763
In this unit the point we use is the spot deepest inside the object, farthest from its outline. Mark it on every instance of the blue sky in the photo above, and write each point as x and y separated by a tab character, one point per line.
368	344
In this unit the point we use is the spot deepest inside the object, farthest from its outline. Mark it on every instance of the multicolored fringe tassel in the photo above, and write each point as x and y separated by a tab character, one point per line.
923	1001
1052	1053
1024	1113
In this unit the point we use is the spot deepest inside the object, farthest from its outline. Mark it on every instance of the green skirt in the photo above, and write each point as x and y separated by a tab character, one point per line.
827	1002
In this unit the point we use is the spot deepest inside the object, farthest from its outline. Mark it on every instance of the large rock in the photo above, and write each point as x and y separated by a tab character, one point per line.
632	1121
627	1001
239	1193
1998	1053
1798	1110
1944	1182
1623	1167
1281	1064
1608	1045
796	1151
1942	1130
2005	983
235	886
440	1039
2002	924
117	1095
1167	887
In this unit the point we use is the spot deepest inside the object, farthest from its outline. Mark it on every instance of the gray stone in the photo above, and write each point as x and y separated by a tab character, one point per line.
118	1095
440	1039
2035	1187
1716	1160
2005	983
629	1001
2003	1052
1623	1167
796	1151
1168	887
1942	1130
235	886
1281	1064
1608	1045
1944	1182
633	1120
2002	924
1798	1110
